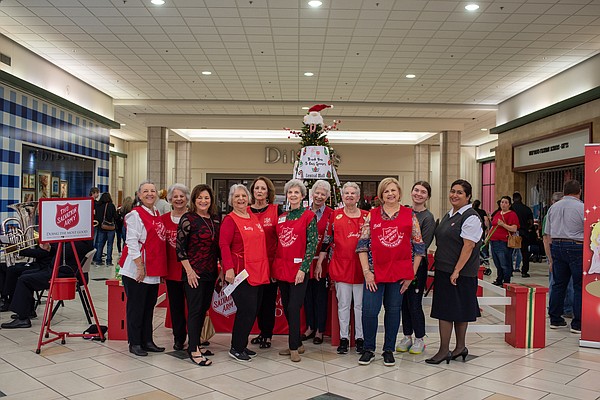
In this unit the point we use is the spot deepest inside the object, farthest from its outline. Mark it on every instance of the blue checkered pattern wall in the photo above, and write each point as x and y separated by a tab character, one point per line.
28	119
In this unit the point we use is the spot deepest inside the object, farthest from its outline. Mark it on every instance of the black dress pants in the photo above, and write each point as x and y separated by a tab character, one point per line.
176	294
315	304
198	301
266	310
12	275
292	298
246	298
141	299
525	254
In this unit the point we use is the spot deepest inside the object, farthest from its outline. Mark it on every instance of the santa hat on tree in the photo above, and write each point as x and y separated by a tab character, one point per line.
313	116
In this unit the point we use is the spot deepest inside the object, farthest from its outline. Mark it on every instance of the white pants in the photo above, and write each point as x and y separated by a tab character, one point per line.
344	294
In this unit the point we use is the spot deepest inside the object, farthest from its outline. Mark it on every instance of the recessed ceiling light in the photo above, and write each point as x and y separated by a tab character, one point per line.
471	7
206	73
308	74
158	2
123	124
305	108
484	129
315	3
411	76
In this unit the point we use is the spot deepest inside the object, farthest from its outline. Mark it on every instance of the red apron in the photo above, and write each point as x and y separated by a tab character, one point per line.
268	220
255	250
291	247
344	265
153	251
174	267
391	246
321	229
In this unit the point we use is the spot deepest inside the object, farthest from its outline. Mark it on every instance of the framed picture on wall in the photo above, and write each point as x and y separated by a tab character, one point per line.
55	185
64	189
44	180
27	195
25	181
31	182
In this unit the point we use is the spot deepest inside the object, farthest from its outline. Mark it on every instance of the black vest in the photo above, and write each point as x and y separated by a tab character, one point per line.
449	245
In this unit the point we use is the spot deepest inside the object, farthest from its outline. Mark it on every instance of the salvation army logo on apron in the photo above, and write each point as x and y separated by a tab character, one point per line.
390	237
287	237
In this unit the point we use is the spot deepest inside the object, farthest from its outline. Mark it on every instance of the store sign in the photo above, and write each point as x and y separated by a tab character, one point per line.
556	149
274	155
590	294
66	219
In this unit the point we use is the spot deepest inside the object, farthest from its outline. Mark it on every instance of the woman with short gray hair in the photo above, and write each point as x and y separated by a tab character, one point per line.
297	244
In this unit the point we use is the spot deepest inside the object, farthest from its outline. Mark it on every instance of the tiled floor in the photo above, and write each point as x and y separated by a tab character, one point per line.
89	370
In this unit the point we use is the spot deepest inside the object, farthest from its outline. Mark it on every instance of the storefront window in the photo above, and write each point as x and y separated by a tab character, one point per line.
488	186
46	173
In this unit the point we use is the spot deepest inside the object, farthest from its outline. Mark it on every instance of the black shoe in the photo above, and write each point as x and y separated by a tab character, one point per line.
464	353
360	345
305	337
557	325
525	275
177	346
31	316
250	353
17	323
137	350
388	358
240	356
434	361
153	348
497	283
343	347
318	340
366	357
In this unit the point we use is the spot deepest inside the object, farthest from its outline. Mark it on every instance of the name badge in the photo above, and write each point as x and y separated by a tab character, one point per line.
281	219
297	260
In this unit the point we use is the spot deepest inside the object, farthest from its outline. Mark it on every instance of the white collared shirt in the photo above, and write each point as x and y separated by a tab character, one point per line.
471	229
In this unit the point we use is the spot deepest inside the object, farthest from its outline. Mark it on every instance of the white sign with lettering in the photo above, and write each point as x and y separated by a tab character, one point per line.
552	149
315	163
66	219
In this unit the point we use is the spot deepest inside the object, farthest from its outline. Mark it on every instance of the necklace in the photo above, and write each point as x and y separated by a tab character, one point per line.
210	227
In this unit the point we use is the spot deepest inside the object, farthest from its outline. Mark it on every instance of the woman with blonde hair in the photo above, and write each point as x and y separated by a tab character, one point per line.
390	249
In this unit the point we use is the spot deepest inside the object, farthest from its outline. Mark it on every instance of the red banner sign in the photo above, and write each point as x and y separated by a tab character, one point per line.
590	297
67	215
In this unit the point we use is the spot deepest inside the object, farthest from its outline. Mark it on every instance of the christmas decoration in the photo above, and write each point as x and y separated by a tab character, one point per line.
314	133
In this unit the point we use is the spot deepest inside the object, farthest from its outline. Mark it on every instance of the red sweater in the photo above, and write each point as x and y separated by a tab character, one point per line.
510	218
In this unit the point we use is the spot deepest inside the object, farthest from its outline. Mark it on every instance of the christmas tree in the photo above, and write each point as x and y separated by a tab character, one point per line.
314	133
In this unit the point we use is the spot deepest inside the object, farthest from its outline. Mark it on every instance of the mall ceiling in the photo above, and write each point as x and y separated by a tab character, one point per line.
150	58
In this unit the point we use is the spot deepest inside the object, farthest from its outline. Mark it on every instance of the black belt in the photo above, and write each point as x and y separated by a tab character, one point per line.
568	241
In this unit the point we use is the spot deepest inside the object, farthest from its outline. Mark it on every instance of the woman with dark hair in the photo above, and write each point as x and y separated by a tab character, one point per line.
105	211
198	252
143	263
262	191
413	318
243	248
178	196
458	239
390	249
503	222
297	244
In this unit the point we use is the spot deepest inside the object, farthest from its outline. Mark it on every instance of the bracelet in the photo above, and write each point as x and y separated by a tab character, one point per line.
366	270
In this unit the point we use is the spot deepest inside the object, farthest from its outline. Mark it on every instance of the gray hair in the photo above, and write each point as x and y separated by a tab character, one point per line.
321	184
351	185
556	196
295	182
233	189
178	186
146	182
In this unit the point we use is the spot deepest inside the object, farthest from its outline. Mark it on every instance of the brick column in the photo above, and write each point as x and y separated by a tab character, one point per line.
158	146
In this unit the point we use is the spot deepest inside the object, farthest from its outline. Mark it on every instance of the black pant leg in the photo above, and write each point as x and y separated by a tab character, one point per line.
198	300
266	312
246	302
150	303
136	303
321	304
292	297
176	295
23	302
525	255
310	304
12	275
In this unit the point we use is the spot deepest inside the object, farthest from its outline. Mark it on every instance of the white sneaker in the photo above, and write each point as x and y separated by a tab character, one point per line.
418	346
404	344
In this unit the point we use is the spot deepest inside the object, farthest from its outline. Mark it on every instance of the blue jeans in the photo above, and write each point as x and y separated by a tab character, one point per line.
502	255
104	237
388	294
568	306
567	263
518	258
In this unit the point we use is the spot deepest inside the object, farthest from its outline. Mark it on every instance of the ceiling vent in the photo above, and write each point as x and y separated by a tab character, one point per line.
5	59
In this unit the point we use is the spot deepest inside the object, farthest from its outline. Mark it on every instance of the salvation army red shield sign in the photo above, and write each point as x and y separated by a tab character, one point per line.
67	215
66	219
